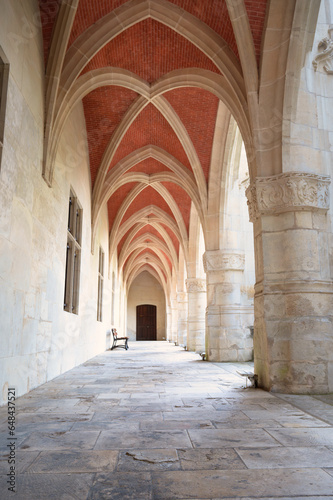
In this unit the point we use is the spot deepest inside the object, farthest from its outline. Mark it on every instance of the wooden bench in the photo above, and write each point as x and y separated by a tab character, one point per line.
116	339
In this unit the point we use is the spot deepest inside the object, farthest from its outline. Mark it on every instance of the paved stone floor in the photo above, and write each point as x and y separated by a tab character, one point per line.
156	422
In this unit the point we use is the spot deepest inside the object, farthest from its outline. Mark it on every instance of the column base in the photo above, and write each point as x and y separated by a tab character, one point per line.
293	344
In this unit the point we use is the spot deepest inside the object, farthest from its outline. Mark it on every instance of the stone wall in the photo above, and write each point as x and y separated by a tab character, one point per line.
38	340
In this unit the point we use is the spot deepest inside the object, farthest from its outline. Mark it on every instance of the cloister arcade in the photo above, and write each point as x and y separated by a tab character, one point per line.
194	140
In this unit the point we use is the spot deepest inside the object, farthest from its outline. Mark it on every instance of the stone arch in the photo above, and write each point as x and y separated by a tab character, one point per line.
301	45
137	261
138	256
144	215
133	194
95	37
199	78
140	242
130	243
102	32
156	273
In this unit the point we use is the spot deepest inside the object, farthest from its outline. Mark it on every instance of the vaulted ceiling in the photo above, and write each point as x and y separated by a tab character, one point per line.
150	96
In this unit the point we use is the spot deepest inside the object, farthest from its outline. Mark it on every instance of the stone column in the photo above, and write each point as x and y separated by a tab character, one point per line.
168	323
182	318
293	329
174	319
197	300
228	337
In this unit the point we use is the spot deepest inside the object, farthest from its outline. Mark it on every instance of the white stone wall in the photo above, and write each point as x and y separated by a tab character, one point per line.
38	340
145	289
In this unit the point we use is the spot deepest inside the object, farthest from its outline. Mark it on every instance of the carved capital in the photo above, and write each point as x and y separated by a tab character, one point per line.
223	260
325	53
288	192
195	285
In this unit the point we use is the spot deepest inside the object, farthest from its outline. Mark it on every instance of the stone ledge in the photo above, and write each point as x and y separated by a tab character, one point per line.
297	286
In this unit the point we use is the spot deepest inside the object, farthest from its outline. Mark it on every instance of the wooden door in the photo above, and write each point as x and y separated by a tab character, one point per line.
146	322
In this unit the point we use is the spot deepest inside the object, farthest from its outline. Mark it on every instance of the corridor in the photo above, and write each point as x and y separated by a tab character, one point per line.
156	422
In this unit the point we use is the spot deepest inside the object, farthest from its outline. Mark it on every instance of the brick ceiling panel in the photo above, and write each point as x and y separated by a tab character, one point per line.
213	13
150	50
153	254
197	109
149	230
122	241
146	230
149	166
148	250
48	13
116	201
149	196
256	11
89	12
151	128
173	237
182	199
103	111
167	259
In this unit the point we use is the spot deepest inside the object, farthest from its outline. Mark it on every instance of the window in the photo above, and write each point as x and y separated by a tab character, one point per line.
73	255
100	284
4	74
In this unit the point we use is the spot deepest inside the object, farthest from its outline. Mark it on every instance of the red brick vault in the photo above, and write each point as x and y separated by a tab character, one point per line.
151	75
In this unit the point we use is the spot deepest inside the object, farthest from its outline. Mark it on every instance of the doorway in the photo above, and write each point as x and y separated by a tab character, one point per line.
146	322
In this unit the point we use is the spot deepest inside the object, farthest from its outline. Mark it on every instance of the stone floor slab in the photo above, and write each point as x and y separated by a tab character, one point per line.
48	486
70	461
126	416
22	461
109	425
168	425
60	441
246	424
329	470
202	414
143	439
231	438
289	457
222	484
41	418
303	437
287	418
148	460
124	485
210	459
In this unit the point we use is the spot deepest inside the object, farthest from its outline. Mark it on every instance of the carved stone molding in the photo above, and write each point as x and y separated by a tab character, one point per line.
222	260
288	192
181	297
252	204
195	285
325	54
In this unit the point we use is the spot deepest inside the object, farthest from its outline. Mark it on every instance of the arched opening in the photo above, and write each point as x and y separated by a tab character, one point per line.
146	309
